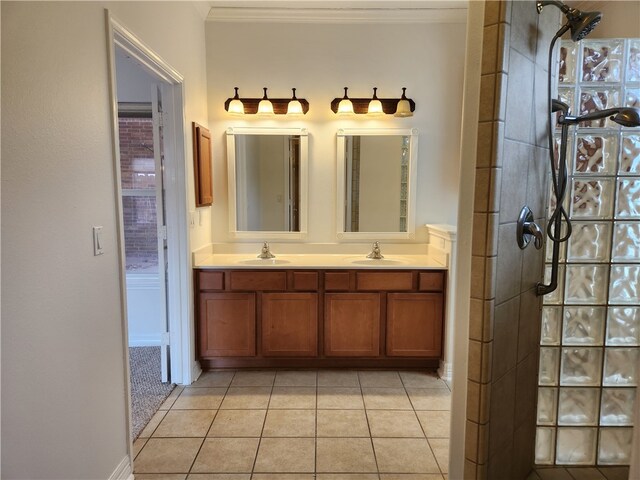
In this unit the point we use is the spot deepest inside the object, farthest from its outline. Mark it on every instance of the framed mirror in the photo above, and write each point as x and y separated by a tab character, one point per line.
267	170
376	183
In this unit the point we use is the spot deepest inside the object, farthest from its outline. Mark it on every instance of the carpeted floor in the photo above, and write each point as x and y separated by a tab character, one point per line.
147	391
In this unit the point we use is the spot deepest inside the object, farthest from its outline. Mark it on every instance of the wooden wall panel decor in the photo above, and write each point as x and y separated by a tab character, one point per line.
202	165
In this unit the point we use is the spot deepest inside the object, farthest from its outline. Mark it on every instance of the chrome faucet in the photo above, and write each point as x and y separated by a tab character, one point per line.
375	252
265	253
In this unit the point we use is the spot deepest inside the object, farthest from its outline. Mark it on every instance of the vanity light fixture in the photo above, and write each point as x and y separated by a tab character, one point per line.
403	108
400	107
266	106
235	105
294	107
375	105
345	107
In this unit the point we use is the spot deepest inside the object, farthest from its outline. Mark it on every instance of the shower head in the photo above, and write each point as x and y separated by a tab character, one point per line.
625	116
580	23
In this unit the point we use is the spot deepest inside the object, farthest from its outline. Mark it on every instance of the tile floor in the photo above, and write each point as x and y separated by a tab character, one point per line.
580	473
300	425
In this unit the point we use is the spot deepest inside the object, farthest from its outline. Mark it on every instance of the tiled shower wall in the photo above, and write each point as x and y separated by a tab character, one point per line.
511	171
591	327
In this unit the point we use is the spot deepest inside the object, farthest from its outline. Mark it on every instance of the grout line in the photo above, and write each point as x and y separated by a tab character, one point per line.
264	422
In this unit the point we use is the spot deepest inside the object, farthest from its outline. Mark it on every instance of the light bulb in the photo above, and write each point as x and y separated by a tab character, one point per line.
236	107
403	109
294	107
375	105
265	107
345	107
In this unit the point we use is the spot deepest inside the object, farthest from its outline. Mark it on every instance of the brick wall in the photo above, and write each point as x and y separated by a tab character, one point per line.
138	187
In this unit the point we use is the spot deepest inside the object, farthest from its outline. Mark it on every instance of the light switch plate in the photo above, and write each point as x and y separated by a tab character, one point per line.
98	248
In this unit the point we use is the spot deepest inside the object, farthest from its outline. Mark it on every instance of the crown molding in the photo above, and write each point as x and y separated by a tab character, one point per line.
382	12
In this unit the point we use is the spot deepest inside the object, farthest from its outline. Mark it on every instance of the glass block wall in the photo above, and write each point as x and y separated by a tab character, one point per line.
590	339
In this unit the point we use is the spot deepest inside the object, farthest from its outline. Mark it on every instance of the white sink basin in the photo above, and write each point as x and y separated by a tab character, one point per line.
267	262
370	262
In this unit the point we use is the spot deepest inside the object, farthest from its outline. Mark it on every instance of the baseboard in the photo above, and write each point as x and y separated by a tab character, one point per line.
446	371
123	471
196	371
145	340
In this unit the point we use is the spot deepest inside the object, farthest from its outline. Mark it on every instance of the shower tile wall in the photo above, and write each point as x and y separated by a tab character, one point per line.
511	171
590	341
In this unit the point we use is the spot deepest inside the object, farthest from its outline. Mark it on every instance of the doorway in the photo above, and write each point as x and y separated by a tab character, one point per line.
154	240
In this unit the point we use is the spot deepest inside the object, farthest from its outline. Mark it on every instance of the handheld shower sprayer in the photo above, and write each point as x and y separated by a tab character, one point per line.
580	23
625	116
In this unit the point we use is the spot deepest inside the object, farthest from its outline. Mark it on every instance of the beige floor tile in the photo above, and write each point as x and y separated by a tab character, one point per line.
296	379
226	455
394	423
430	398
342	398
238	423
283	476
404	455
334	455
246	397
380	379
422	380
615	473
338	378
137	446
346	476
168	402
589	473
167	455
342	423
213	379
153	424
285	455
440	447
199	399
386	399
161	476
293	397
435	423
218	476
411	476
554	473
185	423
290	423
253	379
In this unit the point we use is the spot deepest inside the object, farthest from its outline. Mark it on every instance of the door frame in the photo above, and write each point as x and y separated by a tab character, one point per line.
180	310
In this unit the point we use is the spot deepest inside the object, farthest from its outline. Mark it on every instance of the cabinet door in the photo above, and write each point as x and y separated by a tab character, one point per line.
227	324
290	324
352	325
414	324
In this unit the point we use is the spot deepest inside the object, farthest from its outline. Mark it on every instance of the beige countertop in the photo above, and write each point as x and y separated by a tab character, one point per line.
318	261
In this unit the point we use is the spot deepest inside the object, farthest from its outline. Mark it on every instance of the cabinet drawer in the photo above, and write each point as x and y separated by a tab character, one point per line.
336	281
304	281
431	281
258	280
368	281
211	281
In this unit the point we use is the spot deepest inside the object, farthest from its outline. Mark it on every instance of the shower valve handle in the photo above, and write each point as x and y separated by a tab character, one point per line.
527	228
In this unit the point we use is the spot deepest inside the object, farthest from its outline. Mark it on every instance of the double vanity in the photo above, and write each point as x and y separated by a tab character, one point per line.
319	311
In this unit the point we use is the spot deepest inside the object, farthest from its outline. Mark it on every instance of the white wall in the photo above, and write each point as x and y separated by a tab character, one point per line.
63	383
320	59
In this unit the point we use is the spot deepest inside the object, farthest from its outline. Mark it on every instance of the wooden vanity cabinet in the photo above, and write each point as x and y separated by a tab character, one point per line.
316	318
